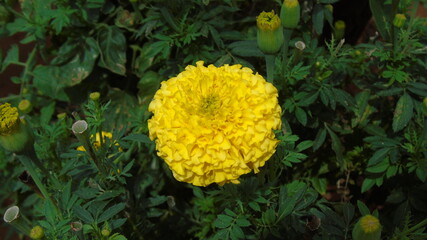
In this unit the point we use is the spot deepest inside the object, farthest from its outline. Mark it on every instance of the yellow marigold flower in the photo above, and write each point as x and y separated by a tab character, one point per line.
14	134
213	124
9	119
97	143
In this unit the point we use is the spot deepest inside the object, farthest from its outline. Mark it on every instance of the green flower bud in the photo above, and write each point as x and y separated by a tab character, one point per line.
330	8
25	106
290	13
425	101
399	20
14	133
37	232
105	232
367	228
95	96
339	29
270	34
61	115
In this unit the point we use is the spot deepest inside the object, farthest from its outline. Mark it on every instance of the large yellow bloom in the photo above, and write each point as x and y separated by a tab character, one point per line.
212	124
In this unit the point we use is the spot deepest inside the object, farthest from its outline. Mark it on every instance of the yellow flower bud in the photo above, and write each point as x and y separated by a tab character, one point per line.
14	134
367	228
425	101
290	13
330	8
95	96
270	34
25	106
399	20
339	29
61	115
37	232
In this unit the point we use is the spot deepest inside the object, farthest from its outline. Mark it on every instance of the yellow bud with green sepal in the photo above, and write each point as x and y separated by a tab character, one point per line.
290	13
399	20
367	228
270	35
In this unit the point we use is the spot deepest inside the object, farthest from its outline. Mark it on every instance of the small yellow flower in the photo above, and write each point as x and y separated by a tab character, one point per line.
399	20
97	142
37	232
95	96
213	124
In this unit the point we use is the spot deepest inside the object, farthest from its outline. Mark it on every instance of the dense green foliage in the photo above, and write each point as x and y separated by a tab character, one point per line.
353	141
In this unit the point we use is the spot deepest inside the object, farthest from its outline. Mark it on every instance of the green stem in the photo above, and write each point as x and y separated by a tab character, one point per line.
26	161
287	33
28	66
269	61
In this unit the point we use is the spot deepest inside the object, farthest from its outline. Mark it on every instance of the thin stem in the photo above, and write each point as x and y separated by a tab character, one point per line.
287	33
26	161
269	61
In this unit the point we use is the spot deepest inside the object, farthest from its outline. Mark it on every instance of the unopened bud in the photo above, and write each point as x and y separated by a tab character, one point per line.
367	228
330	8
399	20
270	35
95	96
25	106
37	232
290	13
339	29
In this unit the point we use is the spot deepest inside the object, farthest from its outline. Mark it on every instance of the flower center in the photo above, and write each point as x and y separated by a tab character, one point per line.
210	104
370	223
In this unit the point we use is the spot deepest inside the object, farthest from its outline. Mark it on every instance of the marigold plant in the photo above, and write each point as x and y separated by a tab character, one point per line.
213	124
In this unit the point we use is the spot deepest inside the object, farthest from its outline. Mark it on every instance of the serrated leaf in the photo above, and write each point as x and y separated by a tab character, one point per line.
11	57
83	214
243	222
223	221
138	138
319	184
348	212
111	212
336	145
378	156
403	112
363	209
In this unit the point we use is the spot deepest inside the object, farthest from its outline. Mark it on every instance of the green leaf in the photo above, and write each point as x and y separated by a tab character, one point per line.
318	18
301	116
403	112
363	209
223	221
243	222
378	156
112	46
245	49
381	13
367	184
11	57
336	145
348	212
319	184
83	214
111	212
138	138
320	139
47	113
304	145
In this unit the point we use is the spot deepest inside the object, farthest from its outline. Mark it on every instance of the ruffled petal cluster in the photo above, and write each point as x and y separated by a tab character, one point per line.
213	124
